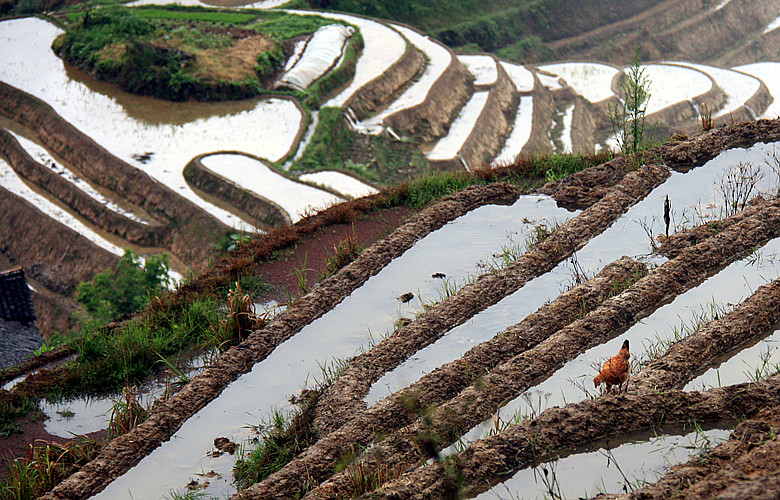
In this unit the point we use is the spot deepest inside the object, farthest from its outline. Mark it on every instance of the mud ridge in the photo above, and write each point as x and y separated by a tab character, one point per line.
508	380
691	356
193	232
543	111
66	260
532	440
77	200
431	119
731	470
678	242
251	206
345	395
394	411
168	416
493	124
585	187
376	93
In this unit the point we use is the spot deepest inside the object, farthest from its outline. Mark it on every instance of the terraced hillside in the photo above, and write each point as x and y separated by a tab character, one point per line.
463	344
453	112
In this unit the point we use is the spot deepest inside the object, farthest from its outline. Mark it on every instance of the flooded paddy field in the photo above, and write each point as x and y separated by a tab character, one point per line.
458	290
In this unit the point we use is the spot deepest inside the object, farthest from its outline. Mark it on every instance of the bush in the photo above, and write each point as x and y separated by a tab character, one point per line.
112	295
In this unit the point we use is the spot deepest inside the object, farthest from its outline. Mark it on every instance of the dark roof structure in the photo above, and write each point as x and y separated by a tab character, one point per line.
17	343
15	299
19	337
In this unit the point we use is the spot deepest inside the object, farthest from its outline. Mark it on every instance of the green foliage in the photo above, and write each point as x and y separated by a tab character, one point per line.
284	26
111	295
528	49
10	411
628	119
201	40
329	143
270	60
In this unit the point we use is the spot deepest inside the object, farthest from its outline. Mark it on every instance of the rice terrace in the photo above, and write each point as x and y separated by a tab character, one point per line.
497	249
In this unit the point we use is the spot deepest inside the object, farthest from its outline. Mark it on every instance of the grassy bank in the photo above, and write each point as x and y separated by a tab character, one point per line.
180	53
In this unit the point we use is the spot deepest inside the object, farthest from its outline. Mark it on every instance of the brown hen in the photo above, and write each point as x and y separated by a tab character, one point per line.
615	370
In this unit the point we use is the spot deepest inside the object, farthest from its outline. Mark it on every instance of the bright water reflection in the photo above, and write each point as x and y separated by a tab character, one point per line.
368	313
606	469
268	129
694	197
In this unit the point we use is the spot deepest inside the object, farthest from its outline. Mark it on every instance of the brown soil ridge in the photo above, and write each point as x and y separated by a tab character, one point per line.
66	260
543	111
443	383
193	232
493	124
248	205
166	417
745	466
693	355
345	396
585	187
81	203
509	379
431	118
490	129
377	93
532	440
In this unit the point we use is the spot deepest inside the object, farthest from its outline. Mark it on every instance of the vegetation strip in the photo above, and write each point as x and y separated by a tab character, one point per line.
739	463
443	383
193	232
530	441
77	200
345	396
508	380
165	418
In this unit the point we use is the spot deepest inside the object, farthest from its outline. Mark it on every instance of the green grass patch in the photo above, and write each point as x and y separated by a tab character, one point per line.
339	77
194	15
284	26
109	359
168	52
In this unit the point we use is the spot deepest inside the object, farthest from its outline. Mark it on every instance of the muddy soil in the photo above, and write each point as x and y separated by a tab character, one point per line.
346	394
745	466
532	440
405	406
167	416
477	402
584	188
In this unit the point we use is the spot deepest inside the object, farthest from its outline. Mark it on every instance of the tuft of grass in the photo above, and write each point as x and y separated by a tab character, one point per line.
45	466
344	252
284	436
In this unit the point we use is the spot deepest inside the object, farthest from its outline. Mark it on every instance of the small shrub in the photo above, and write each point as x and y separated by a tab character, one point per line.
111	295
628	119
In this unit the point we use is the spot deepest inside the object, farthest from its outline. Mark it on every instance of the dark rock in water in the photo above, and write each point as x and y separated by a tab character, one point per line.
224	444
406	297
439	276
17	342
